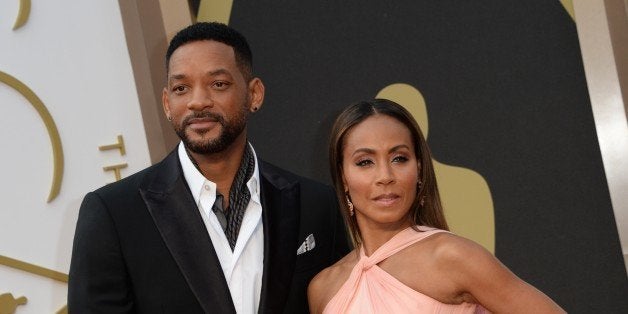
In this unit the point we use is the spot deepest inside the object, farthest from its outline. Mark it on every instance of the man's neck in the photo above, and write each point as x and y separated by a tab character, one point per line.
221	167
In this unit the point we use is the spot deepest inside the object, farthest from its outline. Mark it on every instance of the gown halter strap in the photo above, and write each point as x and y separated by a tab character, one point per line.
398	242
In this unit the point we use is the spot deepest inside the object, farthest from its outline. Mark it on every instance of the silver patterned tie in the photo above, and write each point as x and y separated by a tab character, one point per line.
220	214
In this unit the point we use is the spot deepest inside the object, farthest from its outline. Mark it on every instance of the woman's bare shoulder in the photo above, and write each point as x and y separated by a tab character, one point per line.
441	252
449	247
443	246
328	282
435	266
337	272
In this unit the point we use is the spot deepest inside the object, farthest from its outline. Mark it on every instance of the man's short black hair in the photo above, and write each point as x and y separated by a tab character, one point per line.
218	32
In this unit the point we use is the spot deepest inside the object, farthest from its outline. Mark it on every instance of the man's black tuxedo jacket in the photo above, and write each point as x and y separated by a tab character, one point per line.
141	246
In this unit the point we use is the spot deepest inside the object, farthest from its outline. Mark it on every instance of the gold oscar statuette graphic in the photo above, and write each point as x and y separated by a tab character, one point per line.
22	14
568	5
214	11
466	197
53	133
7	302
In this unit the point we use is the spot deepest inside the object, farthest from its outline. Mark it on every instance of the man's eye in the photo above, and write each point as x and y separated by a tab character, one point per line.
221	85
179	89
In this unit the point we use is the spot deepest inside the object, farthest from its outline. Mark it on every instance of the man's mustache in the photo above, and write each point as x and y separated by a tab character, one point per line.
203	115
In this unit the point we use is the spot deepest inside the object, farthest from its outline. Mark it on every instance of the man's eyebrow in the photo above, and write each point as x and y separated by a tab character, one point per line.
176	77
181	76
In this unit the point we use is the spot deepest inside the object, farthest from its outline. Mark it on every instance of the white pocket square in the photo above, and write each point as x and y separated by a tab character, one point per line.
307	245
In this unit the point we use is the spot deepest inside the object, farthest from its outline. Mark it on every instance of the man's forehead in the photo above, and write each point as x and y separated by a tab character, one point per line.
211	73
203	46
205	50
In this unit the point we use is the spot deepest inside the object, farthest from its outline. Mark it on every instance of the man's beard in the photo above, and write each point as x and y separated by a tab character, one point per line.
229	132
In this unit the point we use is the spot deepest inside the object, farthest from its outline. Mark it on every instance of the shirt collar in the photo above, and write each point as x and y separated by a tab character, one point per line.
196	181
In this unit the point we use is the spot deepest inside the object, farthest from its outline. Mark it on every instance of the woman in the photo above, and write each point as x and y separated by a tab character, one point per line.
405	261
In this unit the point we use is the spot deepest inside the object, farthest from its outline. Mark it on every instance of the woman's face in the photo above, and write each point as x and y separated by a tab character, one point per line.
380	172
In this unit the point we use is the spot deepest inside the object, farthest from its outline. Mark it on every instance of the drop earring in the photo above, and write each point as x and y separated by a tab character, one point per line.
419	186
349	204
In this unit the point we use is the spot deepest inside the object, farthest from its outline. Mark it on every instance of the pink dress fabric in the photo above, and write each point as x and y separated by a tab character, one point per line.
370	289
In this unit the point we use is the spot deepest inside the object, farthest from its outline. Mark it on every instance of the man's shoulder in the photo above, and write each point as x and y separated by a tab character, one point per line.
140	179
280	175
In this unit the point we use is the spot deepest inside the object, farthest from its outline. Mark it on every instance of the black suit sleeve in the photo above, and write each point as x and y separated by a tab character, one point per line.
98	280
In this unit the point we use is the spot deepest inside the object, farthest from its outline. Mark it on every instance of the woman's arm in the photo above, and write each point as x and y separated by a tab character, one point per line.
478	273
315	293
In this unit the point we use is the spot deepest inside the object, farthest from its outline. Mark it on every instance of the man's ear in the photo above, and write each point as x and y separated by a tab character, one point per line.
166	103
256	94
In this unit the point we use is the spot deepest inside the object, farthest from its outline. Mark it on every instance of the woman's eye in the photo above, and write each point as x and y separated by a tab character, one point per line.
363	163
400	159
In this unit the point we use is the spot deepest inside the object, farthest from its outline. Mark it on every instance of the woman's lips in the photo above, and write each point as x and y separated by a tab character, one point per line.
386	199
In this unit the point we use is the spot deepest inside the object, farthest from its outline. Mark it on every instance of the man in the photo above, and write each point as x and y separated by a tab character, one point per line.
211	228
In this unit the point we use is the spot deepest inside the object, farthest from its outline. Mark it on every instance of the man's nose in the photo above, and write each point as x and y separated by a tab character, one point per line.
201	99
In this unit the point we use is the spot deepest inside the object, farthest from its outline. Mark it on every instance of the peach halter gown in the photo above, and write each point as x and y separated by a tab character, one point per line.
370	289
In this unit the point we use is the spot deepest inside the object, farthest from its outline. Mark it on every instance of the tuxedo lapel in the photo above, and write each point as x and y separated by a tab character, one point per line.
280	202
175	214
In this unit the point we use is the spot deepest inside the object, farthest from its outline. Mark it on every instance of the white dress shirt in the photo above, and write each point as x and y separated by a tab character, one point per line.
243	267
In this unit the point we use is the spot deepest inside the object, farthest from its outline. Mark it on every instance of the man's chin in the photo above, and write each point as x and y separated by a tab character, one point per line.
204	146
202	134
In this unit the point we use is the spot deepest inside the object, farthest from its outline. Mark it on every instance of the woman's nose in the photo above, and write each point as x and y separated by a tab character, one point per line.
385	175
